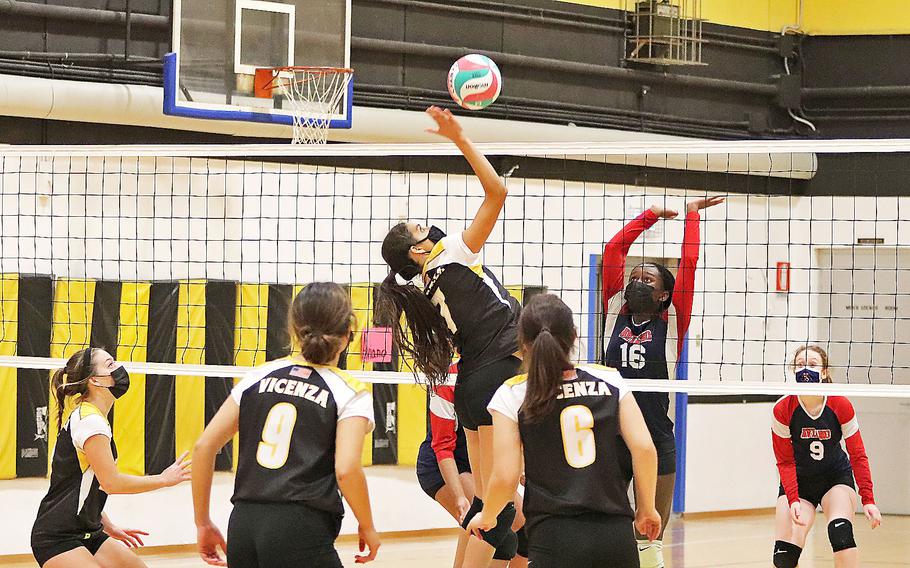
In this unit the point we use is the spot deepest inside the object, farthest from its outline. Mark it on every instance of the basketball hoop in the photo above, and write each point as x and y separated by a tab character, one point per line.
312	92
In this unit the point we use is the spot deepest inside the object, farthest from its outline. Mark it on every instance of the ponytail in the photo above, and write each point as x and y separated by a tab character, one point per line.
547	361
546	332
71	380
426	338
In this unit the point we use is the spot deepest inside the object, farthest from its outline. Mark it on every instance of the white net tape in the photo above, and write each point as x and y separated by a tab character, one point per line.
406	378
314	95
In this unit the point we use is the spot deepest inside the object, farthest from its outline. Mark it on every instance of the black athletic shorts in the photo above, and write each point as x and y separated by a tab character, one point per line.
666	456
428	474
812	489
282	535
591	540
474	391
45	547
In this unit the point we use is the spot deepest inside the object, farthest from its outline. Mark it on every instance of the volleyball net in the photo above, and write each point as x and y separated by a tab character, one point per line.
182	260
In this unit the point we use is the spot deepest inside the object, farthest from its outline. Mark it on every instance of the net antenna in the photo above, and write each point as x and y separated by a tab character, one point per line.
313	94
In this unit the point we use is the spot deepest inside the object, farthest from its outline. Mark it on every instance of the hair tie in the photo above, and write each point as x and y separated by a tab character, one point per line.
545	328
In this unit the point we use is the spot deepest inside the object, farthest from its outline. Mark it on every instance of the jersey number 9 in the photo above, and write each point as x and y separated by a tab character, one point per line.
276	436
577	425
817	450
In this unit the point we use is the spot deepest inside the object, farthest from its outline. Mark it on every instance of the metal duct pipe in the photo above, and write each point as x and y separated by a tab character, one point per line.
555	110
103	75
77	57
409	48
568	19
89	15
864	92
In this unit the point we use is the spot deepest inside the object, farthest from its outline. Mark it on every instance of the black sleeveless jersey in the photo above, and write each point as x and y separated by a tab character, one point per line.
75	500
640	352
289	411
477	308
571	455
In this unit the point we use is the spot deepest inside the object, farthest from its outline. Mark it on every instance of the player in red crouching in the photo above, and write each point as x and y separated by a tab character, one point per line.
814	469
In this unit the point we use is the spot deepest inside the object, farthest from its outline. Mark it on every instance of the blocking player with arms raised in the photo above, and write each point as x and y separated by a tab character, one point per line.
638	341
565	424
71	529
302	423
814	470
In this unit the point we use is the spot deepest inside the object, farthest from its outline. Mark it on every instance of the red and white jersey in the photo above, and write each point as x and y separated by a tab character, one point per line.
614	282
443	422
809	446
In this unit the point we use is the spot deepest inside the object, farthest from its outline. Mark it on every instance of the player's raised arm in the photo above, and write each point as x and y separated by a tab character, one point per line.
475	236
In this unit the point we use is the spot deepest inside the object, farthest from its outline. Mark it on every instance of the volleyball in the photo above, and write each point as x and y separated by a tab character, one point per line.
474	82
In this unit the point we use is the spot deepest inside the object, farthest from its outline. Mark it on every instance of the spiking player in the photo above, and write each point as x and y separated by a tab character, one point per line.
637	345
814	470
459	304
302	422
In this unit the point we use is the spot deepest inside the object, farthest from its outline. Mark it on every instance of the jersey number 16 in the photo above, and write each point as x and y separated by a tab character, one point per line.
633	355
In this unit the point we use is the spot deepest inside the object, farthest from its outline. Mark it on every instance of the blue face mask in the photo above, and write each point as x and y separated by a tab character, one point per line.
808	375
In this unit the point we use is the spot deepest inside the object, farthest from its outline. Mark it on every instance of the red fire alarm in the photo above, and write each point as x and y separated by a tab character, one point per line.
783	276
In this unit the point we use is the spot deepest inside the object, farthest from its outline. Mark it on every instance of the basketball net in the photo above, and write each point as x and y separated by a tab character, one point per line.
313	94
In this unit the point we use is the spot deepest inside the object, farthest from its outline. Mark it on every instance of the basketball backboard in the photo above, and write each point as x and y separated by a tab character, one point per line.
219	44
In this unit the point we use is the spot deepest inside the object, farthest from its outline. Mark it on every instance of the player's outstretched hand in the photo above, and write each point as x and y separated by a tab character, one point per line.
479	523
699	204
368	540
796	511
647	523
447	125
873	514
663	212
132	538
208	540
177	472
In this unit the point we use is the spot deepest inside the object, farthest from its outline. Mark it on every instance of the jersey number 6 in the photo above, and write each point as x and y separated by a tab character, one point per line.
276	436
577	425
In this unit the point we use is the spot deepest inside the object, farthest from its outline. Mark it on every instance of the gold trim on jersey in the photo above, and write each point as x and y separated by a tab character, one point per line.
517	380
349	379
437	250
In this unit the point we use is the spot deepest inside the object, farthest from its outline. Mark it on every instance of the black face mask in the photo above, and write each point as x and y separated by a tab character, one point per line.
640	298
434	236
121	382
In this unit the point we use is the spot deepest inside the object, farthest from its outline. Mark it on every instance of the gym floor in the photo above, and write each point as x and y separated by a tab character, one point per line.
741	541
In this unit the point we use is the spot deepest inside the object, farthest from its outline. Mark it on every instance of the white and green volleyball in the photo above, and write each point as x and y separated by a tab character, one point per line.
474	82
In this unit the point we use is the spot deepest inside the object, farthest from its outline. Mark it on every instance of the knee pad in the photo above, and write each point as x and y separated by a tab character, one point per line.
507	548
840	533
786	554
522	548
651	553
476	507
502	529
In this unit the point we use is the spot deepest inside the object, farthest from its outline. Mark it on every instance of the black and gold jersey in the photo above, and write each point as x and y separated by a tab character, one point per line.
75	500
289	411
570	455
479	311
